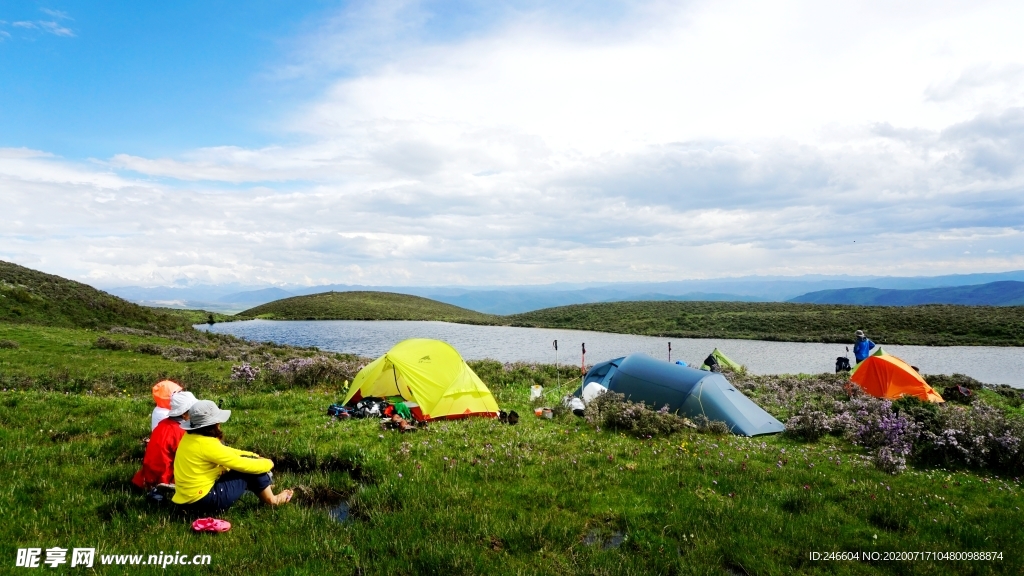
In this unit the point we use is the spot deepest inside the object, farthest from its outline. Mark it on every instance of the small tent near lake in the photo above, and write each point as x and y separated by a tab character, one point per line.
431	376
886	376
686	391
717	358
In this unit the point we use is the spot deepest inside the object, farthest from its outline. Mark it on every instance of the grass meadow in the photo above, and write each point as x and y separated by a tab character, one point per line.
466	497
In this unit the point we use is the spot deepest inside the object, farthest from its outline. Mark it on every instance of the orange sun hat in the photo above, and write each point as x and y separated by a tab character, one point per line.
162	392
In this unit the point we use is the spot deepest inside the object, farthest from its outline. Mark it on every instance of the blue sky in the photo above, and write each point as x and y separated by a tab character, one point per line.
426	143
157	77
92	79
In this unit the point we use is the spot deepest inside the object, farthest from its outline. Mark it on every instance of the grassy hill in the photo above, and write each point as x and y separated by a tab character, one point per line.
365	306
1007	293
31	297
925	325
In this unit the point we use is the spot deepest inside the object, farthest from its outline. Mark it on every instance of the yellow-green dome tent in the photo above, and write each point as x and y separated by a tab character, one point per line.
722	360
429	373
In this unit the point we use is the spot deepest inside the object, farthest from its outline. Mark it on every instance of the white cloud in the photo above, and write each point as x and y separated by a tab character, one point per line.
55	29
48	26
694	140
58	14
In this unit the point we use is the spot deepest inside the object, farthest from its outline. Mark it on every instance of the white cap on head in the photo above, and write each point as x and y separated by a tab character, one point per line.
181	402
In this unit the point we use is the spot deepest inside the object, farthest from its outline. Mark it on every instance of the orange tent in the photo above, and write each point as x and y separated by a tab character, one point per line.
886	376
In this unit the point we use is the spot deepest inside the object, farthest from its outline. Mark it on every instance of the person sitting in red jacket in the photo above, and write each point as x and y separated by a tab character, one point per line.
158	463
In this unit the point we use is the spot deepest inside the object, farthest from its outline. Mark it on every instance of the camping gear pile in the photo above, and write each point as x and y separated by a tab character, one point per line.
394	413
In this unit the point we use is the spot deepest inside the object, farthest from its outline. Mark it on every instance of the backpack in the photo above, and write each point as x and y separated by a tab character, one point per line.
712	363
842	364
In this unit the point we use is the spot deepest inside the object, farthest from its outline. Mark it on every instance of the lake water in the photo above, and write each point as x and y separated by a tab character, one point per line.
995	365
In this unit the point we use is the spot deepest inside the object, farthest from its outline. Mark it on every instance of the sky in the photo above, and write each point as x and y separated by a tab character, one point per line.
509	143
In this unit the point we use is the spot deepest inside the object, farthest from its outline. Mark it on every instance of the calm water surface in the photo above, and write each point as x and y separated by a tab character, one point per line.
995	365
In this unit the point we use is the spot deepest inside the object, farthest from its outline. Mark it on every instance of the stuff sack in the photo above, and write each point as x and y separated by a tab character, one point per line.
338	411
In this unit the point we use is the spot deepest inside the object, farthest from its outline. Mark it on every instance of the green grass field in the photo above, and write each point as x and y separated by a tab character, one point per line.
465	497
475	496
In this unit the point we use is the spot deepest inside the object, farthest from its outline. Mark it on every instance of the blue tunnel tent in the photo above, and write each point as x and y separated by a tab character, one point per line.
686	391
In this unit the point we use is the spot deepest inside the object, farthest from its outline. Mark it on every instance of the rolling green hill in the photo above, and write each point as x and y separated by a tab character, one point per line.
365	306
31	297
940	325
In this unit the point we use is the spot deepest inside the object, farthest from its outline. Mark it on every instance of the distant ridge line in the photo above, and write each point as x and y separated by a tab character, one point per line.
1003	293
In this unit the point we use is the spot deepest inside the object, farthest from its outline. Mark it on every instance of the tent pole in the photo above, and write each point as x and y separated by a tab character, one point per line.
583	358
558	382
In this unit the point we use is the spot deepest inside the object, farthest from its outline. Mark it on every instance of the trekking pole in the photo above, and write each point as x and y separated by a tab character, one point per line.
557	375
669	352
583	359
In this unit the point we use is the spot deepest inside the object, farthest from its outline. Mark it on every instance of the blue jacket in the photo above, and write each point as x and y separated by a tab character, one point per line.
862	348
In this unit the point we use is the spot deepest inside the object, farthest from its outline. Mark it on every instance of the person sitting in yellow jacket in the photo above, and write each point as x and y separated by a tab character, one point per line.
209	476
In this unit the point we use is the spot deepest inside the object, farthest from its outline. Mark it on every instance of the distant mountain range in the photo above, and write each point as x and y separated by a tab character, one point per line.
231	298
256	297
1006	293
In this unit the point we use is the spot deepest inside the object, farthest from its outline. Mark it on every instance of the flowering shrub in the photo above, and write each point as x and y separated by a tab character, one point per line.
1013	396
981	432
707	426
513	366
808	424
890	435
182	354
309	372
105	343
867	421
149	348
786	395
245	372
978	435
612	411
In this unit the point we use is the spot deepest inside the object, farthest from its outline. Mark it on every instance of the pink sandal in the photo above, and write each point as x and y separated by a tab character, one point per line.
211	525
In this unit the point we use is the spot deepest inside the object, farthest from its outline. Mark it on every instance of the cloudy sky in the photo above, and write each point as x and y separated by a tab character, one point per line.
439	143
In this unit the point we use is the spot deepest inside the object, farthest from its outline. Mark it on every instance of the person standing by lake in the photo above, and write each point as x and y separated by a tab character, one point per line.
862	346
